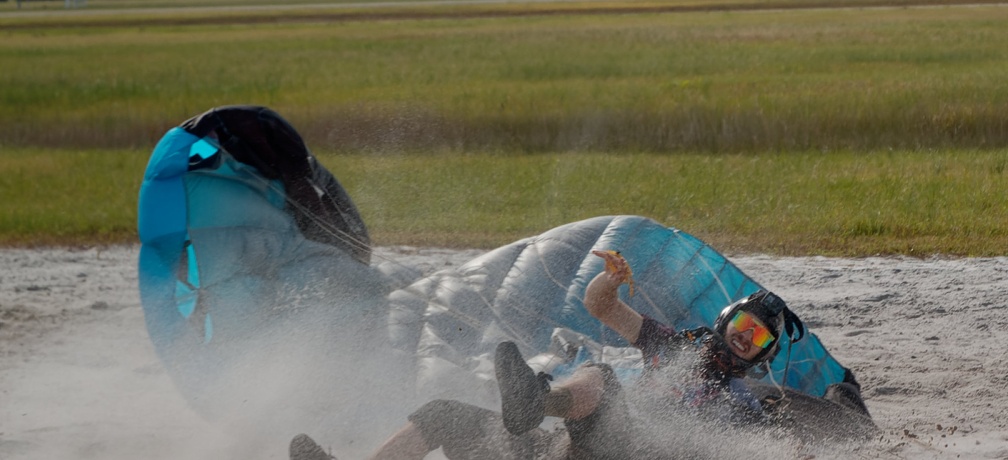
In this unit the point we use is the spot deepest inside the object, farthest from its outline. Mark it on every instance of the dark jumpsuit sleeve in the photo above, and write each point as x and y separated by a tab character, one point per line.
657	341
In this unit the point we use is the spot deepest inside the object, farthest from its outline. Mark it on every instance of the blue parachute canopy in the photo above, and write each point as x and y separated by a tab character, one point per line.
522	292
238	224
249	245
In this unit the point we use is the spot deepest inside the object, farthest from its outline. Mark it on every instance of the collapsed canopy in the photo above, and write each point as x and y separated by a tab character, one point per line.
247	241
523	291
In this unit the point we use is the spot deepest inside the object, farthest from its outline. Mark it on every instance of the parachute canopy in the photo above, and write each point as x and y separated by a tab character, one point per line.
246	238
237	221
524	291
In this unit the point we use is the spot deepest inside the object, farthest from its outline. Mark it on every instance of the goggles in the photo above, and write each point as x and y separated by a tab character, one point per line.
743	321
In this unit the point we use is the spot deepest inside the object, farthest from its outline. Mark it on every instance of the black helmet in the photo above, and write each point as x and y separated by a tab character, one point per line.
773	312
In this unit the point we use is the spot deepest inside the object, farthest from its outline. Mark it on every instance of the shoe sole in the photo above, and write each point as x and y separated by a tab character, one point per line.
521	392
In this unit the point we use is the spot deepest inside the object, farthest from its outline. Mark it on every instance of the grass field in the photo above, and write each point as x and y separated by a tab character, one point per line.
795	131
840	203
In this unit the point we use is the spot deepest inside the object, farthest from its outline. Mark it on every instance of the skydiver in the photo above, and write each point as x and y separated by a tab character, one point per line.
746	334
598	421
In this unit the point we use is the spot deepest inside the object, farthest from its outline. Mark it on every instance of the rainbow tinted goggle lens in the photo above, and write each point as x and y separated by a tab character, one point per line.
743	321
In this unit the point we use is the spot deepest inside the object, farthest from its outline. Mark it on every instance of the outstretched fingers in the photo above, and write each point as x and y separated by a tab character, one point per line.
616	267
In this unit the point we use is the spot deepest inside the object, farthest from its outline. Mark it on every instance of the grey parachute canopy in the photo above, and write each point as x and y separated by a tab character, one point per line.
256	276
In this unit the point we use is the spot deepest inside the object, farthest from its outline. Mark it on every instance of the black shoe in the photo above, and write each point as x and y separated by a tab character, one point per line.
523	393
303	447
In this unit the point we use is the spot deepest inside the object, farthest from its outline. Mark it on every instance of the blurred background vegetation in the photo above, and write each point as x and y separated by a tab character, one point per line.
757	126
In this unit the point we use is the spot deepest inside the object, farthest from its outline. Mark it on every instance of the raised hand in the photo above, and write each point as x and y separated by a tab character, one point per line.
617	268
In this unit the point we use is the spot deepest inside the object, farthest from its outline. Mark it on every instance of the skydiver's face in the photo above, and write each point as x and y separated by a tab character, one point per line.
741	342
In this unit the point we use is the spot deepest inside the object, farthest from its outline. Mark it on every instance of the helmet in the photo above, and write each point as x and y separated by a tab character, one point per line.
769	309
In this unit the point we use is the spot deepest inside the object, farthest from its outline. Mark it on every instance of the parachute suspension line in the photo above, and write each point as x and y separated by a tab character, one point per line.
778	385
533	245
526	309
641	290
549	276
557	282
465	318
342	236
334	232
787	362
351	240
470	320
655	310
721	285
475	323
256	181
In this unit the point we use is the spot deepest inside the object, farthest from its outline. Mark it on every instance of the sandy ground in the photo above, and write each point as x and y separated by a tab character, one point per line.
79	378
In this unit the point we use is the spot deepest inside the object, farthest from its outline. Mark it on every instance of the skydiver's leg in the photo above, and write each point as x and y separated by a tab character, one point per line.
580	395
463	432
526	398
303	447
606	430
591	402
847	393
406	444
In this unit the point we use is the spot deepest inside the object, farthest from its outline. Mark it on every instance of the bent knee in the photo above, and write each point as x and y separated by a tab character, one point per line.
446	421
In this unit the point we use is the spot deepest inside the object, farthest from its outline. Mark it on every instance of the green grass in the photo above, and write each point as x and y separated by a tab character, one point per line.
834	131
716	81
459	6
841	203
69	197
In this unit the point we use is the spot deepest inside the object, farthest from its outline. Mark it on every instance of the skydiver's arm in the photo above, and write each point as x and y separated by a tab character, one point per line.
602	298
